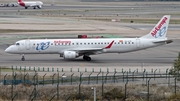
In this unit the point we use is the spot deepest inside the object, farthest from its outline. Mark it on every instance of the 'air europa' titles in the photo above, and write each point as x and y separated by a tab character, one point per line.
159	26
60	41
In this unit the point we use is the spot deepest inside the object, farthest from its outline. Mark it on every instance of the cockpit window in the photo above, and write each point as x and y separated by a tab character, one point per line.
17	44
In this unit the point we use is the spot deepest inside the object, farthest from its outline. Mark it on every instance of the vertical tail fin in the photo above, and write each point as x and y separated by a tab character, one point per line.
160	30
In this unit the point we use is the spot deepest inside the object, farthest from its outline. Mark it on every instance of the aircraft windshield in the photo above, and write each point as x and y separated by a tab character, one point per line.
17	44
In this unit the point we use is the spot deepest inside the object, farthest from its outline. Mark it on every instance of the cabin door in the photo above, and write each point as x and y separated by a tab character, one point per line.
138	43
27	43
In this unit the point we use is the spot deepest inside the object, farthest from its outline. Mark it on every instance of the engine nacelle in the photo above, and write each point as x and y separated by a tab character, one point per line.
70	55
39	6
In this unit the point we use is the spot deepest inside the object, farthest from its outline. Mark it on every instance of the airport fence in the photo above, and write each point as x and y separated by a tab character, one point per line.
38	78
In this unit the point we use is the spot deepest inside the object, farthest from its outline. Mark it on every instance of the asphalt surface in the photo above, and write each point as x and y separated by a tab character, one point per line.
162	56
98	9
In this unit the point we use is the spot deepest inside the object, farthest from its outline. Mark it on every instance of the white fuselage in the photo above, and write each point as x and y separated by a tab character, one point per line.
38	4
58	46
73	48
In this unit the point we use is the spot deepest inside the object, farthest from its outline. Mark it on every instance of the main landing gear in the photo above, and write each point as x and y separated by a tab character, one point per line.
87	58
23	58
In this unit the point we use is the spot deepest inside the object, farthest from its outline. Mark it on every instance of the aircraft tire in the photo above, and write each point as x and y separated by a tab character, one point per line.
84	57
88	59
22	59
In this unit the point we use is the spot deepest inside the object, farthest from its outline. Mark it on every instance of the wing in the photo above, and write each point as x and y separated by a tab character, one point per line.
90	51
34	5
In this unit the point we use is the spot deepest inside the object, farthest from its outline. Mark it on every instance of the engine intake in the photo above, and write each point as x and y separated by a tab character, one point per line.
70	55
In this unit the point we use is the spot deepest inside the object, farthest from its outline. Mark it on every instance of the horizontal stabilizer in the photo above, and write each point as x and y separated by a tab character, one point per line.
165	41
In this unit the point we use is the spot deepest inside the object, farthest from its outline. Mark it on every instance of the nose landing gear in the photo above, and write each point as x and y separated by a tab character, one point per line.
23	58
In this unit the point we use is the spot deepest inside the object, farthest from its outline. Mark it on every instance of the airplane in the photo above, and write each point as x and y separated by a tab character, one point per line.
27	4
74	48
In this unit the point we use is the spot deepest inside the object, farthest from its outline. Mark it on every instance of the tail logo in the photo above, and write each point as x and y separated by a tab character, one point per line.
162	31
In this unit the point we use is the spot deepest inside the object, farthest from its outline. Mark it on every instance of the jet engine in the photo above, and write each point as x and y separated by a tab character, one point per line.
70	55
39	6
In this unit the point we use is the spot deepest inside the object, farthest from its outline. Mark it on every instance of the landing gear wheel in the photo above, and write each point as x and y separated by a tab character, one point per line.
26	8
87	58
34	7
84	57
23	59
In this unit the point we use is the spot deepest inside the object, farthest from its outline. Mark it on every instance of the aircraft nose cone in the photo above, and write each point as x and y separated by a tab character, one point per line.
7	50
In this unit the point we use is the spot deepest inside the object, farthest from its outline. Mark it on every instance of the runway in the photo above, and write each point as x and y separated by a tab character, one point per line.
120	10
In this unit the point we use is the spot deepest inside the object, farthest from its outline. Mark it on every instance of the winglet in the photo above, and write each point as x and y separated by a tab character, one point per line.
109	46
